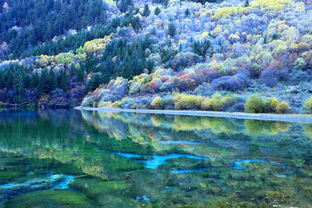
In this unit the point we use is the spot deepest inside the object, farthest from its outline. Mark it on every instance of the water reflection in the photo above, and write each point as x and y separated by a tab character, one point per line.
138	160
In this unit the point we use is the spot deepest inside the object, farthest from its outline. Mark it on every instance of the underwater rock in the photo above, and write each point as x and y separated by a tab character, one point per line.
239	165
92	187
159	160
180	142
56	181
189	171
143	198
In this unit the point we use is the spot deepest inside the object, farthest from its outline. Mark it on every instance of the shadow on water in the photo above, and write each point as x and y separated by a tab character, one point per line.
65	158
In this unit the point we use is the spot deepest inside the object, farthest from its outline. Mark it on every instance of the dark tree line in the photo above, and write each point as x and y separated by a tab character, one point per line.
26	23
75	41
17	81
120	58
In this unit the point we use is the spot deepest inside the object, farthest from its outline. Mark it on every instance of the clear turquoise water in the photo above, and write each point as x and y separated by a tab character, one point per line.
65	158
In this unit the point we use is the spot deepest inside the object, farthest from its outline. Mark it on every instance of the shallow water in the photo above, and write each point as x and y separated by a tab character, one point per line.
84	159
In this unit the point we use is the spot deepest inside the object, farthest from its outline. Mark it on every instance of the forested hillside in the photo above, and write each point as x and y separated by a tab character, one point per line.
233	55
27	23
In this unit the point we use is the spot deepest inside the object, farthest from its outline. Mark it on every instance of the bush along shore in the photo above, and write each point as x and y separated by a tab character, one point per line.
116	95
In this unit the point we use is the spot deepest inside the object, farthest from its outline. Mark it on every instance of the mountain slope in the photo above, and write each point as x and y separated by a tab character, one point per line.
235	48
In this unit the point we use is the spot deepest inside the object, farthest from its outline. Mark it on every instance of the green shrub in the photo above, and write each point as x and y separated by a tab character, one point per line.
216	102
308	105
282	107
270	104
184	101
157	103
206	104
157	11
103	104
116	104
308	130
1	103
273	105
254	104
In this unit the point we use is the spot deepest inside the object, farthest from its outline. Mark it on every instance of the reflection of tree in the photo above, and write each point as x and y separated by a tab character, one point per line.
259	128
308	130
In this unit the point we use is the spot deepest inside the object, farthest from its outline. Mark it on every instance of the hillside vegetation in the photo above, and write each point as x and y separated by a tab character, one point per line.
223	56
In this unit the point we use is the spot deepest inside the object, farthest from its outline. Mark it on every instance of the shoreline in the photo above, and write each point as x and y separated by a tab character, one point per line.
298	118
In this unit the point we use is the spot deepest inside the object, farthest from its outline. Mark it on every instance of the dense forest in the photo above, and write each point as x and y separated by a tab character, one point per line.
25	24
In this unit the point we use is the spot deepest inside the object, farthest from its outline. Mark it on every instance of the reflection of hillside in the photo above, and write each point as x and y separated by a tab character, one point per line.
217	138
54	136
192	123
94	142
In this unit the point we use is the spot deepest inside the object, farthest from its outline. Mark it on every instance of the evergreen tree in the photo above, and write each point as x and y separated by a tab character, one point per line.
157	11
171	29
63	81
187	12
146	11
246	3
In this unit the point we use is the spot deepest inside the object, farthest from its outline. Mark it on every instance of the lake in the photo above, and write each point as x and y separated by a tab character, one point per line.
70	158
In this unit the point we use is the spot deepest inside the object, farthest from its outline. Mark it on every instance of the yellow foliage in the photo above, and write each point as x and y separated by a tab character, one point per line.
218	101
46	60
110	2
308	131
217	30
118	81
96	45
308	105
188	123
282	126
271	4
204	35
259	127
157	103
239	10
228	11
234	37
116	104
214	65
282	107
103	104
206	104
184	101
142	78
156	120
273	102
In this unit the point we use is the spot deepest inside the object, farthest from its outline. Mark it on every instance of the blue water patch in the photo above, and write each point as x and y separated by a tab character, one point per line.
158	160
128	155
143	198
169	188
2	186
55	181
64	184
180	142
81	133
239	164
189	171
